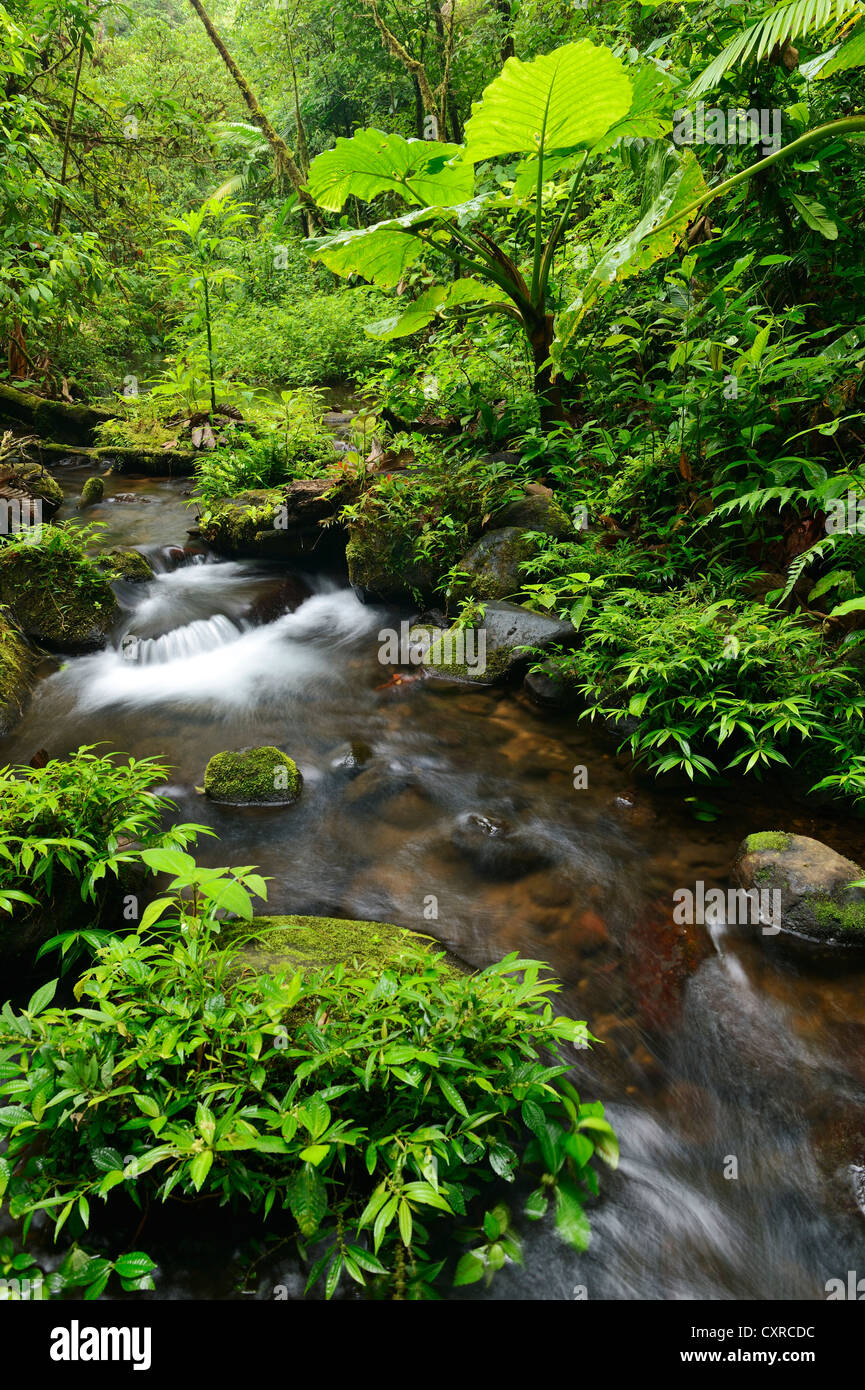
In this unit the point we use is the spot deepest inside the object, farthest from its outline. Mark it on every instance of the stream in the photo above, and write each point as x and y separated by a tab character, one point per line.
719	1045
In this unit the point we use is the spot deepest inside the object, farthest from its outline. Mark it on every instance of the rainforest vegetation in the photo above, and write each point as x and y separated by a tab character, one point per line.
554	307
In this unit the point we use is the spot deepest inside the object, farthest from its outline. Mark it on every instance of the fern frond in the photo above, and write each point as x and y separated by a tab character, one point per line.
790	20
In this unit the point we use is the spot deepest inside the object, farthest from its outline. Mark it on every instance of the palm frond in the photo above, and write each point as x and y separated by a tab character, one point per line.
783	23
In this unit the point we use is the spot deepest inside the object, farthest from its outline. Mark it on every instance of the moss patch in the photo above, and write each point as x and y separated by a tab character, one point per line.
16	675
838	917
767	840
377	562
437	662
92	491
55	593
130	565
41	485
253	777
320	942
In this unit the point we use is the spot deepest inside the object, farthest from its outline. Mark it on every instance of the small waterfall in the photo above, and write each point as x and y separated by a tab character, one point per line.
203	635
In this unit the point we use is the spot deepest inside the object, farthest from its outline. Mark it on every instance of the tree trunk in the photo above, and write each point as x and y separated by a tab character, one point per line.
549	393
283	157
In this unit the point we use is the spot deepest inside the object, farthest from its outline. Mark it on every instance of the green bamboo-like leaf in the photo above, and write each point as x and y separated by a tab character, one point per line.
370	163
846	55
783	23
564	100
308	1199
572	1223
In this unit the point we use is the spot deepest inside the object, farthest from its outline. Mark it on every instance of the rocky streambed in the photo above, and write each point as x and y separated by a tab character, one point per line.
734	1069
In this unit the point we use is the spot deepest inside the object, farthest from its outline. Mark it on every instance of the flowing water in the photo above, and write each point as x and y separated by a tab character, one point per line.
733	1071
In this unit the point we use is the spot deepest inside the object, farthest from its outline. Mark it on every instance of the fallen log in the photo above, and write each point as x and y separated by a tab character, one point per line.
72	424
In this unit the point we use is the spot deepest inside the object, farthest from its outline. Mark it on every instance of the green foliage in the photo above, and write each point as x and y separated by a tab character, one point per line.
369	1115
79	818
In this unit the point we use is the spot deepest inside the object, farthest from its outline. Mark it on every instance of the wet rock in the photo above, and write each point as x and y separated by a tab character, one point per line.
377	568
492	568
813	881
24	485
129	564
376	783
537	510
17	675
318	943
545	688
278	523
92	491
125	498
253	777
499	647
495	847
350	758
56	595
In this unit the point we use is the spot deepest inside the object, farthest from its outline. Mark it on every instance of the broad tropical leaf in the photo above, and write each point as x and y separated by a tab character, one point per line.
564	100
421	171
648	117
424	309
838	59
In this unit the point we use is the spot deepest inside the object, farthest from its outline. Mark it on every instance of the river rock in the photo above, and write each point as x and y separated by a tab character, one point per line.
278	523
56	595
92	491
491	569
507	630
350	758
127	564
253	777
813	880
536	510
545	688
17	675
318	943
378	570
496	848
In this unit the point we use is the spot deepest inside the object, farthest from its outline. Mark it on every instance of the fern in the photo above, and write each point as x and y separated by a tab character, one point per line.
783	23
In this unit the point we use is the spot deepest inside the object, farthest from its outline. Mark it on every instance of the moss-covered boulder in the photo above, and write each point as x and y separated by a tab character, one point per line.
253	777
380	569
317	943
536	510
282	523
56	595
816	900
499	646
92	491
492	568
17	674
130	565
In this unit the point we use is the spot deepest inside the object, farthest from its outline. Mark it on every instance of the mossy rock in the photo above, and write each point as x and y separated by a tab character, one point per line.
92	491
537	510
493	566
318	943
130	565
17	674
498	647
40	484
281	523
378	567
813	881
253	777
56	595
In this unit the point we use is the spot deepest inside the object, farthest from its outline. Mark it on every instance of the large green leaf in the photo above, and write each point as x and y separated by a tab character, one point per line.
424	309
383	252
642	246
370	163
564	100
649	116
838	59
